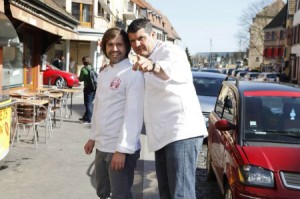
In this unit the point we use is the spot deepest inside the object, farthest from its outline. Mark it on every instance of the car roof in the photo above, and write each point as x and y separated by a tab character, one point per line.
208	74
254	86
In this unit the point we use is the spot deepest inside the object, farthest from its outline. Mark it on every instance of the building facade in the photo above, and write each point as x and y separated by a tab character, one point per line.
295	49
256	46
40	31
38	25
274	43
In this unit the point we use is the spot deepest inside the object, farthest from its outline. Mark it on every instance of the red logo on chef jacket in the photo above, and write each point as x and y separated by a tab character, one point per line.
115	83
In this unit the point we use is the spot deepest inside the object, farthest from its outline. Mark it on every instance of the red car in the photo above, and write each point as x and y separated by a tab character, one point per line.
59	78
254	141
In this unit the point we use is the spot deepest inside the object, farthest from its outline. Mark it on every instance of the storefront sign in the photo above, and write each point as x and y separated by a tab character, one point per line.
5	119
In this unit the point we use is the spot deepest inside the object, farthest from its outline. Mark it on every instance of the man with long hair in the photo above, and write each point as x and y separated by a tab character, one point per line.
117	119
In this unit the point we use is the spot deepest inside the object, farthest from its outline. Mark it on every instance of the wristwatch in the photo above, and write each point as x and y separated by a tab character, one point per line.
153	67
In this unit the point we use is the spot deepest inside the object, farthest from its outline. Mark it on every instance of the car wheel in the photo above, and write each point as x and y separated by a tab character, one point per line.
209	170
60	82
227	192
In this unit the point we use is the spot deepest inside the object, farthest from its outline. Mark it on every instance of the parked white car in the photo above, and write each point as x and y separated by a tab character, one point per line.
268	77
251	76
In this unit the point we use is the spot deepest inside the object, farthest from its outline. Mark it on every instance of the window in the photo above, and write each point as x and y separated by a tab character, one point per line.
282	34
83	13
103	13
220	101
12	67
294	65
76	10
273	36
100	10
272	52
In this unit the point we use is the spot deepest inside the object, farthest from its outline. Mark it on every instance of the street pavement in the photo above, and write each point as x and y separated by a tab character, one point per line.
61	170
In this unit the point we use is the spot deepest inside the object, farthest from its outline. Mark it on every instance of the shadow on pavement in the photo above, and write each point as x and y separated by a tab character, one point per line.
206	189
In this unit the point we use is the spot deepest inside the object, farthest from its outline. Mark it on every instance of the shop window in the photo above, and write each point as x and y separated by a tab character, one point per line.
83	13
12	75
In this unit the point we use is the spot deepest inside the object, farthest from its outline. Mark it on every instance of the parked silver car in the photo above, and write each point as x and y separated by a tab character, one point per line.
207	87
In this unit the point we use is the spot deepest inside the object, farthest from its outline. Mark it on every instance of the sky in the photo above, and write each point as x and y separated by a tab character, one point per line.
198	21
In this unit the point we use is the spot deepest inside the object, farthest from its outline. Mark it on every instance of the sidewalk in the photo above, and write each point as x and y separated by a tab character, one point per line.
60	169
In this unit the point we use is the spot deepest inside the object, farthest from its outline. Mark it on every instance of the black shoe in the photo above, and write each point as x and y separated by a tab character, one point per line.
85	122
81	119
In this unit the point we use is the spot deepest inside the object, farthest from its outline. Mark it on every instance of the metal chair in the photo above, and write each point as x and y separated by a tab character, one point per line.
55	104
30	115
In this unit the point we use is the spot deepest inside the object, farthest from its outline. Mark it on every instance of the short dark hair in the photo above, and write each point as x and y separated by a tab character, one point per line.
86	60
113	33
138	24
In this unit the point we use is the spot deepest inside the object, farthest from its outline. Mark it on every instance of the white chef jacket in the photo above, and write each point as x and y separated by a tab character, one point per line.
172	110
118	109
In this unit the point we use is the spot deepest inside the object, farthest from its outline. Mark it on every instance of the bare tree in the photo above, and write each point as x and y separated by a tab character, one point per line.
246	22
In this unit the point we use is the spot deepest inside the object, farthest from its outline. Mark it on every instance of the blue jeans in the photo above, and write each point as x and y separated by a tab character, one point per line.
118	183
176	165
89	96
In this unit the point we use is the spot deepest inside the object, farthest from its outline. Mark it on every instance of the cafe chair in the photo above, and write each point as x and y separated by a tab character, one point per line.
30	116
55	105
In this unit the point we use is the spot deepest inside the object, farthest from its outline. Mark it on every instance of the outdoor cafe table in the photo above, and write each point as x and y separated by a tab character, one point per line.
33	94
64	90
33	101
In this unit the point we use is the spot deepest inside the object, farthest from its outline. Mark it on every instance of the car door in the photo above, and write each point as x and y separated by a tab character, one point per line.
226	108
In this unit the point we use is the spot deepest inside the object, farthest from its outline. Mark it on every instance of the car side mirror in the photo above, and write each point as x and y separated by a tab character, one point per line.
224	125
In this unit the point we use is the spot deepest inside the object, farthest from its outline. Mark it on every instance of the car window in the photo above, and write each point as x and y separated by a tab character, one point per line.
271	75
221	101
254	74
207	86
229	107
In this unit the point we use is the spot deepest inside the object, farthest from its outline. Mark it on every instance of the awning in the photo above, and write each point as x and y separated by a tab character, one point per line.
90	2
43	24
8	34
2	6
88	34
105	7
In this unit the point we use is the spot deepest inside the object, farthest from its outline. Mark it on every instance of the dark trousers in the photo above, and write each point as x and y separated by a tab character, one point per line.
89	96
118	183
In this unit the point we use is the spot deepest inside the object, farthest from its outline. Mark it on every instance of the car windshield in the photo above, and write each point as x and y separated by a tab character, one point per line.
272	118
206	86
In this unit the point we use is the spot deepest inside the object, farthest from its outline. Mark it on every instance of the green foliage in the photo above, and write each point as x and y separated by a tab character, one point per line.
189	56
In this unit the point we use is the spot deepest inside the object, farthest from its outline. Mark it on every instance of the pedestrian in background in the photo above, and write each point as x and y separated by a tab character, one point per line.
59	62
117	119
72	65
174	122
88	90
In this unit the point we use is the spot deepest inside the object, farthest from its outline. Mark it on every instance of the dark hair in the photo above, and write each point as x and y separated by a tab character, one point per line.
138	24
86	60
113	33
